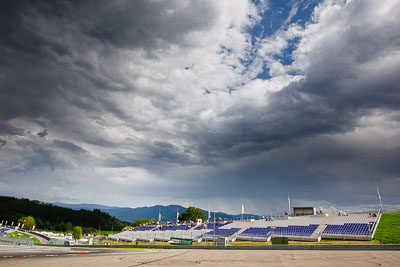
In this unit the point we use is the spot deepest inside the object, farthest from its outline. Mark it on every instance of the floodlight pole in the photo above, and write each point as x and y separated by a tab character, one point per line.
288	202
214	206
214	227
379	196
369	230
242	210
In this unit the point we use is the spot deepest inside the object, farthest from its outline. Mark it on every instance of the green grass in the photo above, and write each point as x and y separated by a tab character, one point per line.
17	234
388	231
22	236
106	232
334	242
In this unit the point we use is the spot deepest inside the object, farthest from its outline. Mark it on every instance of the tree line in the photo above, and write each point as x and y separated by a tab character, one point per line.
50	217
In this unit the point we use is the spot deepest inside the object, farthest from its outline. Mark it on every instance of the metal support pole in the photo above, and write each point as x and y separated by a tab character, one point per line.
214	224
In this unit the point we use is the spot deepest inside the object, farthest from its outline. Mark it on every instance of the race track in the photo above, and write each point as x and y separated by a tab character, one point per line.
187	257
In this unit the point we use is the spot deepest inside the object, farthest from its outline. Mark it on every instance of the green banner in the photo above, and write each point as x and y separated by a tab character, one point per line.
180	241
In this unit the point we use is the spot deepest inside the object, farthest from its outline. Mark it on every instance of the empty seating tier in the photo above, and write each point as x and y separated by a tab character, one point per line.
357	224
257	232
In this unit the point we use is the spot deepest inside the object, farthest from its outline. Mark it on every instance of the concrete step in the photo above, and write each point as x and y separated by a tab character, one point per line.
325	222
233	237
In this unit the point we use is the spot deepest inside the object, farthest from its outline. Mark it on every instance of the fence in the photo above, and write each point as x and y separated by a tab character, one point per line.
16	241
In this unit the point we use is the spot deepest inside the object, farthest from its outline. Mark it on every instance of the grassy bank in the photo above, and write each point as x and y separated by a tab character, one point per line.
388	231
17	235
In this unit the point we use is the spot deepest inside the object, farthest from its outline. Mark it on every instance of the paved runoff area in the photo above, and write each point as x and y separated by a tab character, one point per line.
36	256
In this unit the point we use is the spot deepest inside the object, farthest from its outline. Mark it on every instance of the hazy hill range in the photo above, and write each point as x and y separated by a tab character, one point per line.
168	213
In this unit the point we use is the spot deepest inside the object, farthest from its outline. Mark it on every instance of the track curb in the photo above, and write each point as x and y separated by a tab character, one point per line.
269	247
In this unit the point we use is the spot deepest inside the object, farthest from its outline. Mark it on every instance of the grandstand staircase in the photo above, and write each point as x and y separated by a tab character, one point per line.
235	235
197	227
317	233
376	223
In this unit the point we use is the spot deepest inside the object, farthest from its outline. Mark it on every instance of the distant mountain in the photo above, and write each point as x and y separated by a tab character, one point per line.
168	213
83	206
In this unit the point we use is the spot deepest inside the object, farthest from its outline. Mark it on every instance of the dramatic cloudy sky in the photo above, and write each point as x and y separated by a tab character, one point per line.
145	102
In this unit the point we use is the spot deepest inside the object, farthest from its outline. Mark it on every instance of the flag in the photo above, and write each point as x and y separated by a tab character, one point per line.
209	214
177	216
159	216
33	227
242	208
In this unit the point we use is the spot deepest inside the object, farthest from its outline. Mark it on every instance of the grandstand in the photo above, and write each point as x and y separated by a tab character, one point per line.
356	226
164	233
227	229
295	228
4	231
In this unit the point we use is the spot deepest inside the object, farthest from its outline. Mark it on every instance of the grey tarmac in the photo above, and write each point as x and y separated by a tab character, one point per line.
187	257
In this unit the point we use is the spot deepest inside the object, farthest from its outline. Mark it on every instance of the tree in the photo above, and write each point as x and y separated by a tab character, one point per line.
39	223
69	227
77	232
28	222
192	213
139	222
13	209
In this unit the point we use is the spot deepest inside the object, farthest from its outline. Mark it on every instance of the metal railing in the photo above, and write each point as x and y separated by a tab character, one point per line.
16	241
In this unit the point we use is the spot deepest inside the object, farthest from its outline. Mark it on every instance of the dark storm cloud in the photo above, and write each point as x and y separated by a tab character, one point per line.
39	154
290	117
2	142
149	25
128	24
43	133
322	103
44	72
68	146
351	75
7	128
155	156
324	168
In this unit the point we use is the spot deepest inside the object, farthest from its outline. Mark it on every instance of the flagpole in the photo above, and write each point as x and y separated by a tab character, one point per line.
288	196
379	195
242	209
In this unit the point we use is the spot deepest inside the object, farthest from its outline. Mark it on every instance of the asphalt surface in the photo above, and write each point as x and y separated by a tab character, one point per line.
186	257
8	251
